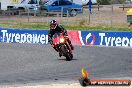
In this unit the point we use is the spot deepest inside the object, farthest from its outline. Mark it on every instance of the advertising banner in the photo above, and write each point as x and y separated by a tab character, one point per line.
106	38
23	36
74	37
77	37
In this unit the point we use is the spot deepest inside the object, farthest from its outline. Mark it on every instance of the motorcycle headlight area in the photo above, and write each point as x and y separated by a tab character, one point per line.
62	40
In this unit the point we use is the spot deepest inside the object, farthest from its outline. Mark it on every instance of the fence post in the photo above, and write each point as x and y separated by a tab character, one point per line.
111	16
98	6
28	15
89	20
67	13
61	12
35	14
123	7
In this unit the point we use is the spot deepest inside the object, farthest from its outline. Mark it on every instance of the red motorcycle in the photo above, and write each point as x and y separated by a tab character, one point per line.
62	45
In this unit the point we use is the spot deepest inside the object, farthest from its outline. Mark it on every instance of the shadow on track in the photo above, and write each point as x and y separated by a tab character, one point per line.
64	59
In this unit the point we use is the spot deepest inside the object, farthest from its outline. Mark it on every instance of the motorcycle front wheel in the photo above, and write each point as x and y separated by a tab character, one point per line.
65	53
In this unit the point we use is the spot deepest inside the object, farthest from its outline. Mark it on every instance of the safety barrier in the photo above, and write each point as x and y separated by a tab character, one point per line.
88	38
23	36
123	39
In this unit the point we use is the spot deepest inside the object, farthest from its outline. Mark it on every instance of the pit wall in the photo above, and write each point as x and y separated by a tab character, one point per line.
100	38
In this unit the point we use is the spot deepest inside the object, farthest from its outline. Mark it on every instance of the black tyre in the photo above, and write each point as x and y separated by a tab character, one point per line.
84	82
63	50
73	12
68	55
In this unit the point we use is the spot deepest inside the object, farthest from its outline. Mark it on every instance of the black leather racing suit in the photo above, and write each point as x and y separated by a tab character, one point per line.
58	29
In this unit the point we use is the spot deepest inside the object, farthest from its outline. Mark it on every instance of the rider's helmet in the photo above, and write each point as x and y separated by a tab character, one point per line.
53	24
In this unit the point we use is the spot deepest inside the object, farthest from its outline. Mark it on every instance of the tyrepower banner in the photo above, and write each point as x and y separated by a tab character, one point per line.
77	37
105	38
23	36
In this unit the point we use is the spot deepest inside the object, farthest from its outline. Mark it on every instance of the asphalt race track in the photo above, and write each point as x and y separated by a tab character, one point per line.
27	63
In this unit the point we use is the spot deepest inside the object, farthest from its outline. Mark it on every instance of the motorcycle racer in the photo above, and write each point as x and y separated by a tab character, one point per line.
56	28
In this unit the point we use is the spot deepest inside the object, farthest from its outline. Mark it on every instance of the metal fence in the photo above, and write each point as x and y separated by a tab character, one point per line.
108	15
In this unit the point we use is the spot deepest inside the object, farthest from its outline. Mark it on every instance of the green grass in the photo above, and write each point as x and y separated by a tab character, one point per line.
98	28
29	26
76	27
